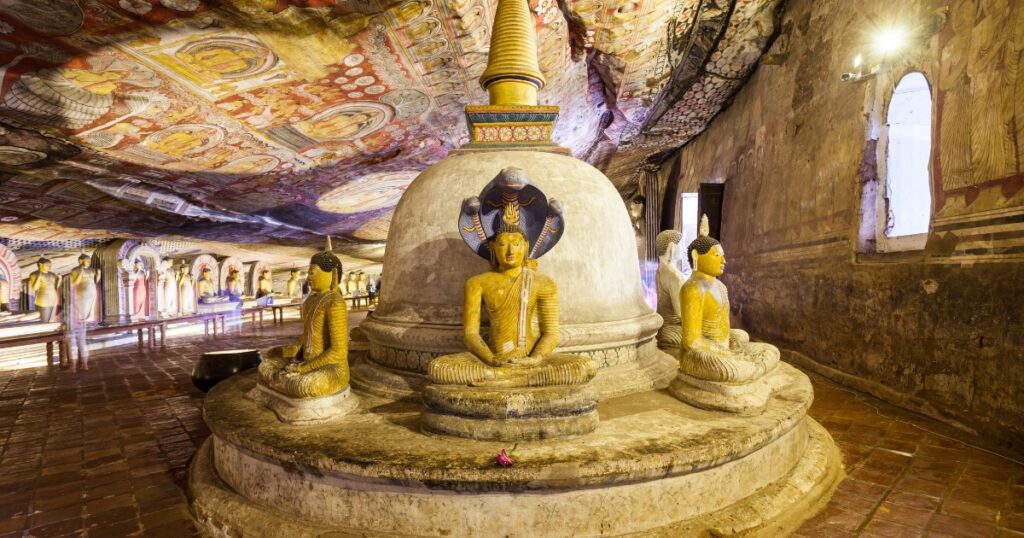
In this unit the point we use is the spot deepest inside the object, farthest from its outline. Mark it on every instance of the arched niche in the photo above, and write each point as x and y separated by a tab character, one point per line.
254	274
204	261
227	264
121	285
11	273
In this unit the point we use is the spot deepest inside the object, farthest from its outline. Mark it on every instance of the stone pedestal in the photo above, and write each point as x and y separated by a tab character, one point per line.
519	414
746	399
654	466
305	410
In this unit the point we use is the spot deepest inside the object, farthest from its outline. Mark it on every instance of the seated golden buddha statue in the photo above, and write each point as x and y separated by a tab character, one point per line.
206	288
314	368
522	307
719	367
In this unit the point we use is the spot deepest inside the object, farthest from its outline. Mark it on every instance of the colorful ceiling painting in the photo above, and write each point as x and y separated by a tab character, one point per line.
276	121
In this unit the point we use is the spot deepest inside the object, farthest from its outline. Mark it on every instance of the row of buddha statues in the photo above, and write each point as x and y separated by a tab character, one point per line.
177	291
514	370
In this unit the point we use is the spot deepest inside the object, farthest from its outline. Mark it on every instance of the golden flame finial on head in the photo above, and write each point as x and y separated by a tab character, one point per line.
510	215
513	74
328	247
705	229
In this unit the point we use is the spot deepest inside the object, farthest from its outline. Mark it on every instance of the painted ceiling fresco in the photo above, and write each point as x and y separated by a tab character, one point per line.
278	120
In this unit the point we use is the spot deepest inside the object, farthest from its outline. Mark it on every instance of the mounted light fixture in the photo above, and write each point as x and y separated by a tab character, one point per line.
885	45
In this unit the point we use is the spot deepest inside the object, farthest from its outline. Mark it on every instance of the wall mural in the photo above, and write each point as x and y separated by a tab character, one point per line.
203	119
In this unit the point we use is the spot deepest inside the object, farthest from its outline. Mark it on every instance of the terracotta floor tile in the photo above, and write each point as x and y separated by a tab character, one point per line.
890	529
906	515
946	525
969	510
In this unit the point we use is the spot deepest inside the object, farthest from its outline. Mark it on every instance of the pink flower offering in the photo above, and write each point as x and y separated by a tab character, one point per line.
502	459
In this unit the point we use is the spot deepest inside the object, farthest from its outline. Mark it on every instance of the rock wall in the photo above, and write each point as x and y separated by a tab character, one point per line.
937	329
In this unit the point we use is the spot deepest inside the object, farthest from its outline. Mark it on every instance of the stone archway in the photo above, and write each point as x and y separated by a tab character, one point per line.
149	258
255	269
206	261
10	272
117	283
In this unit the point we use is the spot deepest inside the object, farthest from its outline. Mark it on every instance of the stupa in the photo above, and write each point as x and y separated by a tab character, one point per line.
648	464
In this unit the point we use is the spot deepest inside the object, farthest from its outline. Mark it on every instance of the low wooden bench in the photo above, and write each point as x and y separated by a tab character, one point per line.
277	311
32	339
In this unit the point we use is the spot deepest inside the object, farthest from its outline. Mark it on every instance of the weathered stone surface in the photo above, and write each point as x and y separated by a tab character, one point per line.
745	399
375	472
517	414
302	411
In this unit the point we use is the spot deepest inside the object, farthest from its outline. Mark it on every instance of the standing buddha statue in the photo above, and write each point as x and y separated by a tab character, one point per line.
139	278
170	289
186	290
510	224
84	280
308	381
719	367
668	280
43	285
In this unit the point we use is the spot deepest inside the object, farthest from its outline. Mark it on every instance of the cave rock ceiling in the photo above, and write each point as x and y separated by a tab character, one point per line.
276	120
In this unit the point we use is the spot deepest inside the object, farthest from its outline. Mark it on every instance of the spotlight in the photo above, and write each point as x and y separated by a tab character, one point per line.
890	40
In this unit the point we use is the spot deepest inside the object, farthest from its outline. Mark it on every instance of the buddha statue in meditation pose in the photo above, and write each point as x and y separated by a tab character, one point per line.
294	285
719	367
668	280
234	286
513	295
510	224
316	366
206	287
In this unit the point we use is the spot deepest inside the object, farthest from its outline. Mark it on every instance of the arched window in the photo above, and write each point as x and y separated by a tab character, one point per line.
907	184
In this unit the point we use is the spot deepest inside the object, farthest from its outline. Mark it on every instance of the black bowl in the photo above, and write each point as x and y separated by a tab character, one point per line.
216	366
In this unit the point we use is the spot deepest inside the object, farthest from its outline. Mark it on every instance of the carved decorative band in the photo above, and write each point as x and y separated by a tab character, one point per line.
416	360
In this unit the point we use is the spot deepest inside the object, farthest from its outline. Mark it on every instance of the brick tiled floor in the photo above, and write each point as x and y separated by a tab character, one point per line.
105	452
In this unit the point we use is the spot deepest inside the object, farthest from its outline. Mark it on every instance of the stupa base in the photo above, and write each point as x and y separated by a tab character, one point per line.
303	411
745	399
653	370
654	466
509	414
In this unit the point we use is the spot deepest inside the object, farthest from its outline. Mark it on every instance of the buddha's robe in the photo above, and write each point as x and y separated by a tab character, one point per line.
514	327
322	358
719	353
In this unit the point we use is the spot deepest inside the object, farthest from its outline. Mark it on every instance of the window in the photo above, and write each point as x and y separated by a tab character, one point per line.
688	218
900	213
909	127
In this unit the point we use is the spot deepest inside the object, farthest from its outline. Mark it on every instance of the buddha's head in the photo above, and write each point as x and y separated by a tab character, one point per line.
667	245
706	253
43	265
83	260
233	274
183	269
137	266
508	250
206	273
294	273
324	270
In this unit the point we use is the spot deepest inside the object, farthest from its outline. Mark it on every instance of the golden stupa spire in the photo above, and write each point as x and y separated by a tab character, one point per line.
513	74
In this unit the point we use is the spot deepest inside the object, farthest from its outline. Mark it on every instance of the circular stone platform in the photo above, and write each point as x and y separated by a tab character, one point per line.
653	467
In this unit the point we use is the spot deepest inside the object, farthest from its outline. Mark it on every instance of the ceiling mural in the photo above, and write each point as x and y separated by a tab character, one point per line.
279	120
